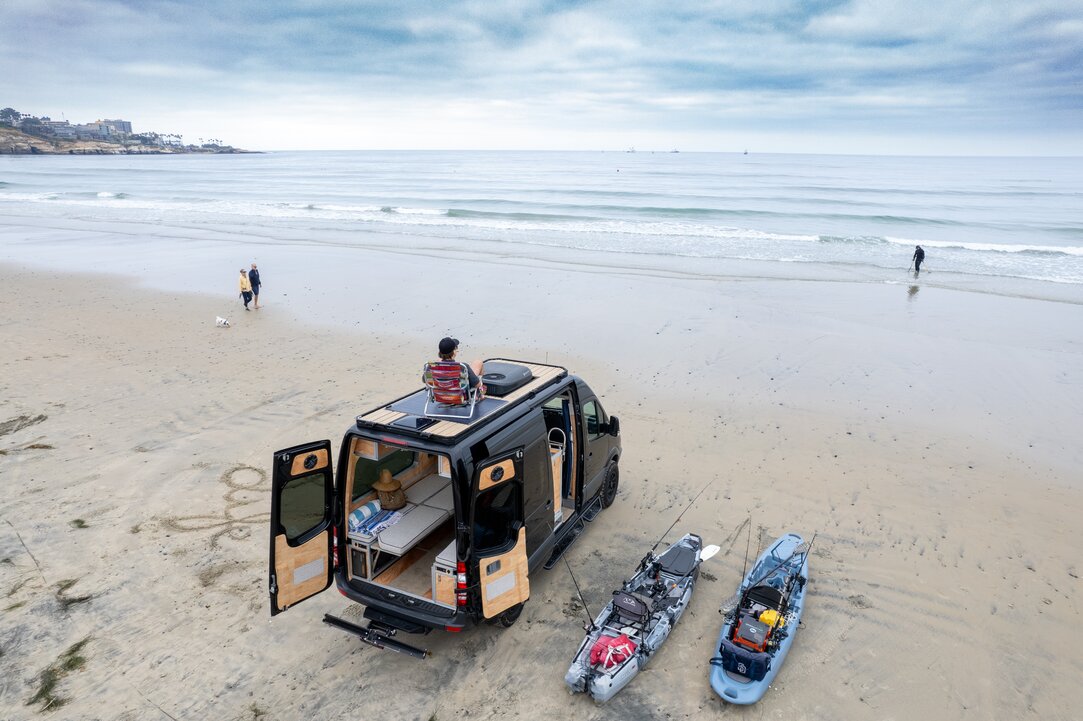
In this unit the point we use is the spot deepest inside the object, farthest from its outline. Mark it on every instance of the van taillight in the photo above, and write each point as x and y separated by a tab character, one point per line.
334	551
460	583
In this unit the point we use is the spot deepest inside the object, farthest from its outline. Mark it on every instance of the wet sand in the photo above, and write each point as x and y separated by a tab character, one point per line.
928	436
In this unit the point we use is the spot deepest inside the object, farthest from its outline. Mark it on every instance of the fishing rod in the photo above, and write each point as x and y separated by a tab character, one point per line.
748	542
682	514
779	619
590	618
735	600
802	549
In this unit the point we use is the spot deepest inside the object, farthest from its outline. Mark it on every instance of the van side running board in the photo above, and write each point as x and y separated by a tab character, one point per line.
377	635
591	512
565	543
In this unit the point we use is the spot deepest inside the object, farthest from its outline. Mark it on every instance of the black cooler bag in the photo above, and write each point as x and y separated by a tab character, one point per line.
741	661
502	378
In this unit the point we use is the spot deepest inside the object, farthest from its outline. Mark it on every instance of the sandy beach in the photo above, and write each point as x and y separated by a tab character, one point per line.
927	435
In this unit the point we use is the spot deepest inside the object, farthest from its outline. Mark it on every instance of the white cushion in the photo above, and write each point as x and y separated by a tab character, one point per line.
413	526
446	557
442	499
425	488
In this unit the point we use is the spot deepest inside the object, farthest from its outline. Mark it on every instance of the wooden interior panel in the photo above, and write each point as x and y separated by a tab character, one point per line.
365	448
425	466
289	558
396	569
556	461
297	468
424	553
444	592
486	480
513	563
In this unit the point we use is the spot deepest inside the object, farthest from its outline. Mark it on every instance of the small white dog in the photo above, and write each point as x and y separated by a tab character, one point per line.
221	322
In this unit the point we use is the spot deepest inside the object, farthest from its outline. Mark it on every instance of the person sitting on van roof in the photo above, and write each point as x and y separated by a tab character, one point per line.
449	348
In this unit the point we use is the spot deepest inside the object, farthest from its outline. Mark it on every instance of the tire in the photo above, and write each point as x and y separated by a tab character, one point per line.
507	618
610	484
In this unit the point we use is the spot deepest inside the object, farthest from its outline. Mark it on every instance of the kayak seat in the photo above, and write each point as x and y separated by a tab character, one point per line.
678	561
630	609
767	596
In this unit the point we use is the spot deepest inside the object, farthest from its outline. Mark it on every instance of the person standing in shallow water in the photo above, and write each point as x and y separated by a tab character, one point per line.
246	289
253	280
919	256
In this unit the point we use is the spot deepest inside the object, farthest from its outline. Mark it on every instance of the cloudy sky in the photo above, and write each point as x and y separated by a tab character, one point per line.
852	76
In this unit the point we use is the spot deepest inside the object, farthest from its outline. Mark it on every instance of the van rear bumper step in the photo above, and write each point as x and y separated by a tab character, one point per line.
378	635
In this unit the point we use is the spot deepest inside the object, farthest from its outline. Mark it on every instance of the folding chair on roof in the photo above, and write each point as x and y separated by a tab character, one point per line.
448	383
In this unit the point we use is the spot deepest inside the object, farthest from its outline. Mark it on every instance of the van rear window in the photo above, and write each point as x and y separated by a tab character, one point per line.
495	514
367	471
301	505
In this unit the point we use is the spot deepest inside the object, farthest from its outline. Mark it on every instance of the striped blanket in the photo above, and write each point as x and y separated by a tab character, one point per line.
370	527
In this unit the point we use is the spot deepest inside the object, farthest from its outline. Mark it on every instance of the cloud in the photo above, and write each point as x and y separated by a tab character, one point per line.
483	72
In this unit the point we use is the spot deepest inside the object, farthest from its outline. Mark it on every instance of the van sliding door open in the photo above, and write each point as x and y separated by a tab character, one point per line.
302	496
499	534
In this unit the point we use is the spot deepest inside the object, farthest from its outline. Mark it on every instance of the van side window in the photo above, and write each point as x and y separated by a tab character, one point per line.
367	471
301	505
496	510
594	417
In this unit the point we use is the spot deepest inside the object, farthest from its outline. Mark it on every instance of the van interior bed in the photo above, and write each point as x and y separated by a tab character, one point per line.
410	549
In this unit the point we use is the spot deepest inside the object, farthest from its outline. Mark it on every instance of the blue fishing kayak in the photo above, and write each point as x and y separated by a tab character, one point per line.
761	622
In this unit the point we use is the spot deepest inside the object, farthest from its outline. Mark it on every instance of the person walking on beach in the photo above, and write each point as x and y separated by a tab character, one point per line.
919	256
246	289
253	280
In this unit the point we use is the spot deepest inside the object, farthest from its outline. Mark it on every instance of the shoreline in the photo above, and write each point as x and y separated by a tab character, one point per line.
894	426
14	142
180	256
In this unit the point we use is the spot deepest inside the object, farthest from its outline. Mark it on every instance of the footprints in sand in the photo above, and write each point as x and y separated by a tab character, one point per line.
859	601
245	507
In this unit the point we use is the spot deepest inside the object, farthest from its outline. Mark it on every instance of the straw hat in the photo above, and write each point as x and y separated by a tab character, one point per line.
386	482
390	492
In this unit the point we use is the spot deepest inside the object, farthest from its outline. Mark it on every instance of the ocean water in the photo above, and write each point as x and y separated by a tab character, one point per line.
984	222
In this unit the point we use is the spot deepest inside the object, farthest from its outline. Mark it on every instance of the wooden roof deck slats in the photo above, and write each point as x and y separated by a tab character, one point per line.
383	416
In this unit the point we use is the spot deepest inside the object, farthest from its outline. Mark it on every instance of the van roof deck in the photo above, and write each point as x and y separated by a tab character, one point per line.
389	419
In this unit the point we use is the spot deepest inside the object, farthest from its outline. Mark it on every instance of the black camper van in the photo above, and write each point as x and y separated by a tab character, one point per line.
489	499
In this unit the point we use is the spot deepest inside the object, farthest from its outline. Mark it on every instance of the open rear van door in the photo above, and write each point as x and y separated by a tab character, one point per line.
302	533
499	533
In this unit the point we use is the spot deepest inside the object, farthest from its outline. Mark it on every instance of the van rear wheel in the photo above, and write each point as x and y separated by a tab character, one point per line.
507	618
609	485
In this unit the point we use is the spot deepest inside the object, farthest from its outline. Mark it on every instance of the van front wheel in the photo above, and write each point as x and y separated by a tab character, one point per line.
609	485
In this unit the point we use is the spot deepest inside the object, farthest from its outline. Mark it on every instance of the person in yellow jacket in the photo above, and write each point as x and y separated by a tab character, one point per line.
246	289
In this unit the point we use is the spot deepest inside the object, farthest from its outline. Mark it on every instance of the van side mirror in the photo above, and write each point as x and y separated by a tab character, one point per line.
613	426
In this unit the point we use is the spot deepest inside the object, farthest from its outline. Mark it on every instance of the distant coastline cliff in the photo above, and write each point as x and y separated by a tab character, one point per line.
22	134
